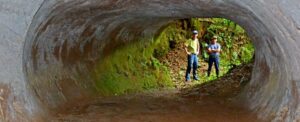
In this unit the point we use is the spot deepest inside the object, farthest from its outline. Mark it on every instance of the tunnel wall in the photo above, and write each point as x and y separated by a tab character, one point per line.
49	48
17	101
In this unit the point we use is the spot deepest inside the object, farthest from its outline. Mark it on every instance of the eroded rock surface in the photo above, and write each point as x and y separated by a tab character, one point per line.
65	39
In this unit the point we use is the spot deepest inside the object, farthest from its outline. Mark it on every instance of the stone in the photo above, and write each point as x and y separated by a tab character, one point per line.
43	43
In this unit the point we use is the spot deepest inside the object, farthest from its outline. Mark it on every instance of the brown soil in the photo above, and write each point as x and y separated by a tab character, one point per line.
158	106
227	86
208	102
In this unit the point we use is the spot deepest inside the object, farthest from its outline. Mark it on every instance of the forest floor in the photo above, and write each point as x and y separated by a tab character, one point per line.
213	101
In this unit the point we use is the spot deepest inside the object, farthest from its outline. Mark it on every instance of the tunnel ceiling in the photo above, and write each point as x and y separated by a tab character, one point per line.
68	38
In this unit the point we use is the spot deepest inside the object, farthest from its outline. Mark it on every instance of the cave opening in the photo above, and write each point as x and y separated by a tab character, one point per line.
68	40
237	47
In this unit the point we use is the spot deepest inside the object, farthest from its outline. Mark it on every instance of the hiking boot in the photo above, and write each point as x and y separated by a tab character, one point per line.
196	79
188	81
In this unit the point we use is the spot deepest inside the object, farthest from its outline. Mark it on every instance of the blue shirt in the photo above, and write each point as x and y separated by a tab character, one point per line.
214	46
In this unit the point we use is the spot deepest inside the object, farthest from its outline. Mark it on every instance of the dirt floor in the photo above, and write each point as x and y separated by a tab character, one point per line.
208	102
158	106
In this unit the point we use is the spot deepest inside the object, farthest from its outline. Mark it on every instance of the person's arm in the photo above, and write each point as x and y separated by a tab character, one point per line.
209	50
218	50
198	48
187	52
186	44
215	50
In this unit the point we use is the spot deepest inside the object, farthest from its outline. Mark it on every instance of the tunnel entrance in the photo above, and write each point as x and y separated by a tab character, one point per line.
143	78
237	48
68	40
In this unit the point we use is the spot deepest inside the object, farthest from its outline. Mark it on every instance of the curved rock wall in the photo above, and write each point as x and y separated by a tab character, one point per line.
16	100
67	39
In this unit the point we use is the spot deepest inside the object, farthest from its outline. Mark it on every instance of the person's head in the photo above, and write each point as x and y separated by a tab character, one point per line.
195	34
214	39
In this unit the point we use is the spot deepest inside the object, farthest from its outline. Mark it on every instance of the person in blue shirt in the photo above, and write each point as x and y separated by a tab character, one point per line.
214	49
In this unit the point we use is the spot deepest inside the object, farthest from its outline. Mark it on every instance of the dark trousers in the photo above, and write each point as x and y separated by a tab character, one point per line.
213	60
192	63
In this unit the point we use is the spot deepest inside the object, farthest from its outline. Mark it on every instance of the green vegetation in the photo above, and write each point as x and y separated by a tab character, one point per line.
237	48
131	69
135	67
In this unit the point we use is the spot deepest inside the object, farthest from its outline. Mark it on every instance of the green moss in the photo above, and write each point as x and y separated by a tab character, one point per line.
131	69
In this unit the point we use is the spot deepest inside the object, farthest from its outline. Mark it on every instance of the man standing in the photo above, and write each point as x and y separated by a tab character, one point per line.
214	49
192	48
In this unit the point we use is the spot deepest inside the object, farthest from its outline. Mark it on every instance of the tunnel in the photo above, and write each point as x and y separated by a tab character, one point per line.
66	40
